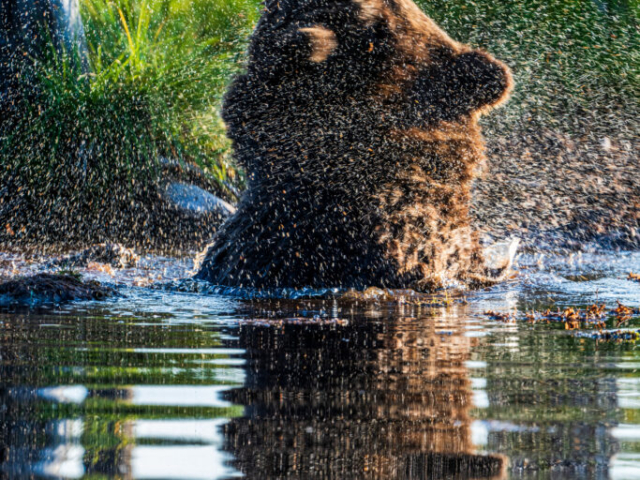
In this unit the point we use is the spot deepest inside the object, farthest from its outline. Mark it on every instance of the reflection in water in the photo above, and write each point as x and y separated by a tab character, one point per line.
91	398
175	386
389	399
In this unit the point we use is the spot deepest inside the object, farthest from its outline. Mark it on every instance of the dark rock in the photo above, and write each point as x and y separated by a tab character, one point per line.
48	289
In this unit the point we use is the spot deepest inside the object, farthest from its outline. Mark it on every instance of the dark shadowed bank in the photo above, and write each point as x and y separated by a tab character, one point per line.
557	191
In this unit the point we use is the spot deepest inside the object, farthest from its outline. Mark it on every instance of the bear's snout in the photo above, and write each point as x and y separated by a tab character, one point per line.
462	84
481	80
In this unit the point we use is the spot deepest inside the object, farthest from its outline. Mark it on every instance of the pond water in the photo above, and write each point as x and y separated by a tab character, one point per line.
166	384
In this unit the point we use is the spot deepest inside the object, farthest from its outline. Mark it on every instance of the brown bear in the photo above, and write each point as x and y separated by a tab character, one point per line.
357	124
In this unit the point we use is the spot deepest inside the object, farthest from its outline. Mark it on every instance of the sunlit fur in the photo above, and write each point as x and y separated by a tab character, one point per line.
360	156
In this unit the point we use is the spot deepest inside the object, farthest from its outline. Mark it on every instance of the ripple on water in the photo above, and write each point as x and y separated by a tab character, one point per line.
182	384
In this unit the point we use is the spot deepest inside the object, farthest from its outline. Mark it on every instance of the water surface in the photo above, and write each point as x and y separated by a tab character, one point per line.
162	384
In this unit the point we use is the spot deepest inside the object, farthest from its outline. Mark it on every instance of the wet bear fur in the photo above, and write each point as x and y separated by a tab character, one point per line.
357	124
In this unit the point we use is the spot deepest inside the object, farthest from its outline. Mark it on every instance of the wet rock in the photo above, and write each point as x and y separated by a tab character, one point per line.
195	200
50	289
112	254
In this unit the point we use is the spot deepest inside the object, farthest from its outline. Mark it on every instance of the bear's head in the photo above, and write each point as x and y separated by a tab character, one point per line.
317	53
356	121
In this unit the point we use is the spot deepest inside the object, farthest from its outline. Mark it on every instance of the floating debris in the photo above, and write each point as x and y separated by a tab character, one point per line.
592	317
101	267
109	254
281	322
501	317
614	335
634	277
621	310
404	296
369	295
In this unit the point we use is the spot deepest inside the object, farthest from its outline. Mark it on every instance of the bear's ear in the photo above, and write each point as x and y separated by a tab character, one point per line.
479	81
370	10
323	42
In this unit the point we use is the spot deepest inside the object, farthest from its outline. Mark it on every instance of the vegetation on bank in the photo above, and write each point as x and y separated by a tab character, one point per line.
83	144
176	56
156	73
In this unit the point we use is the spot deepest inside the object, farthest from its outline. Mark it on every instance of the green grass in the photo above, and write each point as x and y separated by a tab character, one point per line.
157	72
179	55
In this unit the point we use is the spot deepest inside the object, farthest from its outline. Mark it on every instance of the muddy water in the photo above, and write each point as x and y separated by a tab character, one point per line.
164	384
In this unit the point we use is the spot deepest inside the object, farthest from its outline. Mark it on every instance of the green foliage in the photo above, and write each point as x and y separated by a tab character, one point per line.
157	73
70	142
179	54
